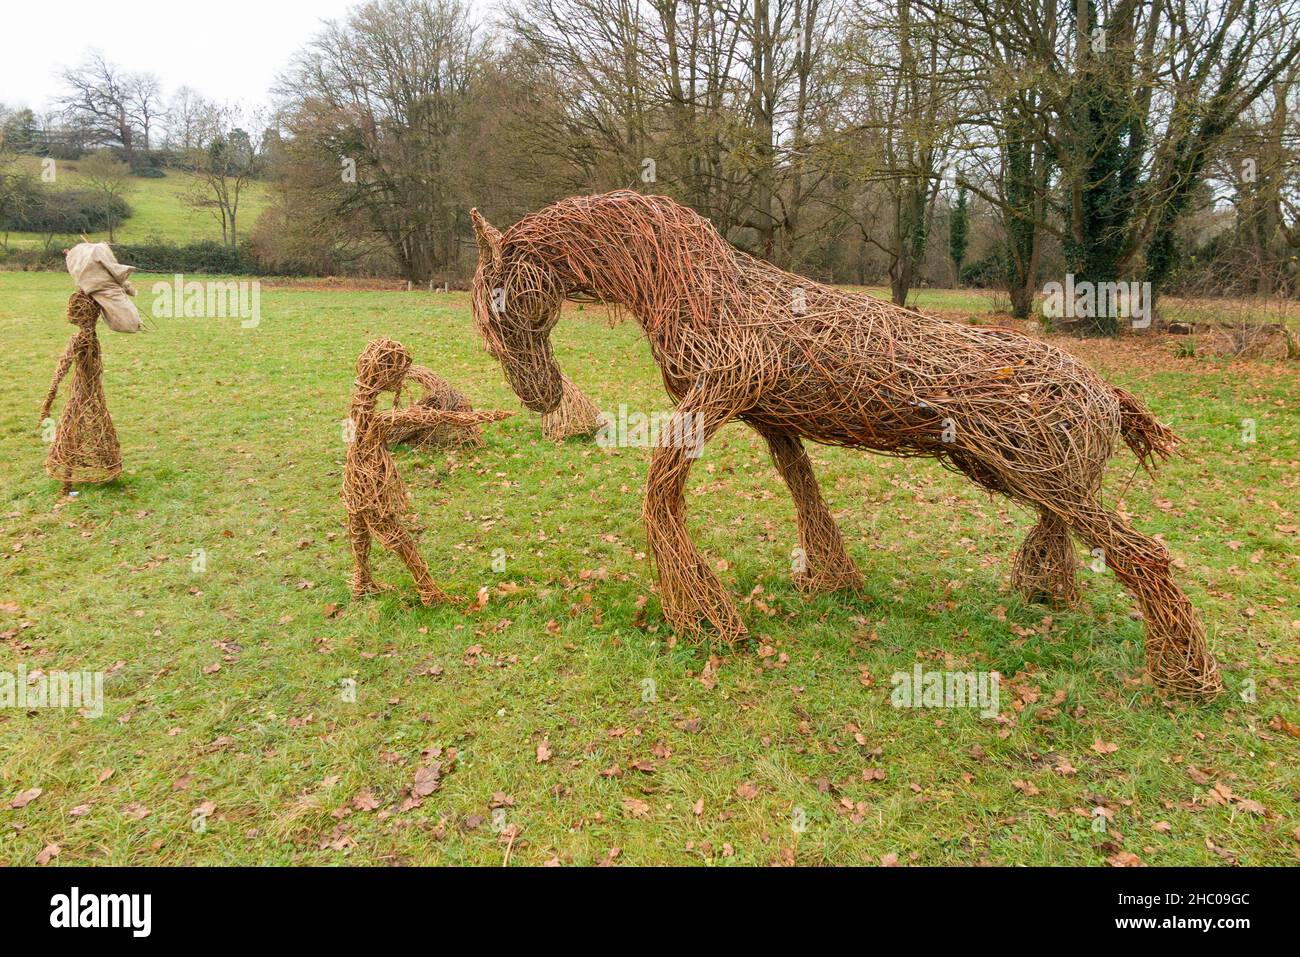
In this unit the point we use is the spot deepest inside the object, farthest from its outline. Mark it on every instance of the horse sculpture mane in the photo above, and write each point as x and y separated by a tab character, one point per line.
737	338
662	261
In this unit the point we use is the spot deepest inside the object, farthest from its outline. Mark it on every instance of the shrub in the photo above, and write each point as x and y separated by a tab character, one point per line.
163	257
201	257
69	211
148	164
31	260
62	151
987	273
289	246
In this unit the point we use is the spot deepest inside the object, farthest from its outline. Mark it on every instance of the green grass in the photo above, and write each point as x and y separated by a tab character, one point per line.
232	443
973	301
158	210
1207	313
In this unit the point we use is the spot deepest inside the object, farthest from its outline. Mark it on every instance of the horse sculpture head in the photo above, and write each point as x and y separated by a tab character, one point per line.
517	302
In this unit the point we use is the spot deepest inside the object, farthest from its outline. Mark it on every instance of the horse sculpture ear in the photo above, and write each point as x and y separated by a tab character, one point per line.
489	240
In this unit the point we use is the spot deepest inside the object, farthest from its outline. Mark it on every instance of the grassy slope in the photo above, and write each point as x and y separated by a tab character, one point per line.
158	210
232	445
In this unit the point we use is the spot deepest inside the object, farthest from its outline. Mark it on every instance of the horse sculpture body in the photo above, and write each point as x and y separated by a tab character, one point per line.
736	338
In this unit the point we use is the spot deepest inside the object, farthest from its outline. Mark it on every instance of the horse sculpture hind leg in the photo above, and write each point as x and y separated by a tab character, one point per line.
1068	499
1044	567
824	565
1178	657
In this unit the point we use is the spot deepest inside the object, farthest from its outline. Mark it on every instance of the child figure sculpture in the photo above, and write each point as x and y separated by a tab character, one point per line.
374	495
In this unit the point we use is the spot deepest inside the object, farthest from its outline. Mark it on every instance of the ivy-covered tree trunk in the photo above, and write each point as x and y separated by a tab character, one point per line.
1107	140
958	233
1019	194
912	230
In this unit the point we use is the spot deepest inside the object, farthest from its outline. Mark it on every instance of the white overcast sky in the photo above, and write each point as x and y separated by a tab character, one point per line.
228	50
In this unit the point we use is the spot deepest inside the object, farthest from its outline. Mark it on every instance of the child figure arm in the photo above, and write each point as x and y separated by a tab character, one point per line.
420	416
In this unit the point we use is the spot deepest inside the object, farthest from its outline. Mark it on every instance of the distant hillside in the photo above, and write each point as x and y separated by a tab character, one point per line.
158	210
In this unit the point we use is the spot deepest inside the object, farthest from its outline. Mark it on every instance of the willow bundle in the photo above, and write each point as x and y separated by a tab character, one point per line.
437	394
737	338
576	415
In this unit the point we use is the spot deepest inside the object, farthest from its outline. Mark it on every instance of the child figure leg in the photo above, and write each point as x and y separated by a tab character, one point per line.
393	536
361	583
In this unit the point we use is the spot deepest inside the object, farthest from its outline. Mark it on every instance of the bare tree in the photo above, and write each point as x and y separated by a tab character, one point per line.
144	98
225	166
380	98
108	178
717	102
902	103
600	51
17	187
190	121
112	107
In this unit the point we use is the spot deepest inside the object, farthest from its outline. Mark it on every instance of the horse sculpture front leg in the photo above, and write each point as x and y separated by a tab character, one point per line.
688	589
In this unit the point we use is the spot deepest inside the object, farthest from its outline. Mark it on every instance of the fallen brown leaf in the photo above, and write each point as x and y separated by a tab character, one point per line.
25	798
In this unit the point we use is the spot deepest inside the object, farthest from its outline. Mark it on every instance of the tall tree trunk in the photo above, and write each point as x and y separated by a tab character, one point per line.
1020	189
764	130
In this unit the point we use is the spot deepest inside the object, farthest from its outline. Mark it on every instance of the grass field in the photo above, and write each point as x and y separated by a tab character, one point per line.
524	729
159	210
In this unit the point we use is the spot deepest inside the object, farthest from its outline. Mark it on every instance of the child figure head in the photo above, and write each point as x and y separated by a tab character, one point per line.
382	365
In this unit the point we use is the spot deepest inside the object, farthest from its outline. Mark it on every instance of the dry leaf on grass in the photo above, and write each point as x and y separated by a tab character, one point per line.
427	780
47	854
25	798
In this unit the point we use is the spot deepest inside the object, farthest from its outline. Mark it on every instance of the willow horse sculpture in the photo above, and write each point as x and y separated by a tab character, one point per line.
736	338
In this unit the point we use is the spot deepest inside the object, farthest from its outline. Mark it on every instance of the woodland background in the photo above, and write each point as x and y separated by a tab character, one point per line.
994	144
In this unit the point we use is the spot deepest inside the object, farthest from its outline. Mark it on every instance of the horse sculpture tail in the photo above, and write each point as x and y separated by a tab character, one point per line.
1150	440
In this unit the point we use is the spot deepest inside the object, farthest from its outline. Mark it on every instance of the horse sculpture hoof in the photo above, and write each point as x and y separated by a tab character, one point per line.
363	589
849	580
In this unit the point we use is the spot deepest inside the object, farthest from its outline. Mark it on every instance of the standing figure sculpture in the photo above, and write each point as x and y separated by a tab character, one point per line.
737	338
84	447
374	495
